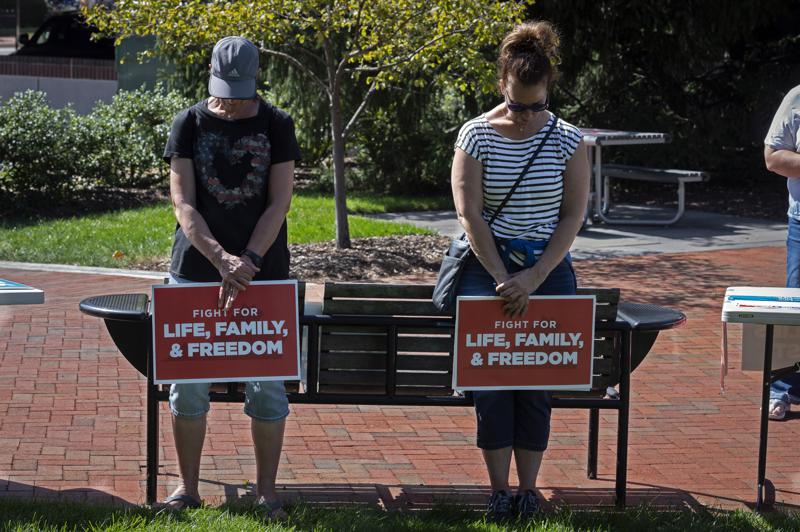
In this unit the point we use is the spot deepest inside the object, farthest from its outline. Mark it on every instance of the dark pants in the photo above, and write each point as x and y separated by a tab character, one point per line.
514	418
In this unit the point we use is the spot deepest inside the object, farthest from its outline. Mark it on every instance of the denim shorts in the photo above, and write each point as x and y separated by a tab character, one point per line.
514	418
264	400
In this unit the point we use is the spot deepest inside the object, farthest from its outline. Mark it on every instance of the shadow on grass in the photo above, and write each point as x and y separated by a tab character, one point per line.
46	516
37	208
369	507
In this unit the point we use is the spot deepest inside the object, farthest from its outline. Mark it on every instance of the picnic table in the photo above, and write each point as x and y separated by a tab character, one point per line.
600	197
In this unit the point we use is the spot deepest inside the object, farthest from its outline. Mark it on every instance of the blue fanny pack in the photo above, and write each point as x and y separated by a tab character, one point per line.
528	248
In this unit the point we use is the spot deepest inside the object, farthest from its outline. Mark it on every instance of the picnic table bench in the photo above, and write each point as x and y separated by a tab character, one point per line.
668	176
386	344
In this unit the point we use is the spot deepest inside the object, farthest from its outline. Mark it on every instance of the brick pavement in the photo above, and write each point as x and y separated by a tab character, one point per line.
72	412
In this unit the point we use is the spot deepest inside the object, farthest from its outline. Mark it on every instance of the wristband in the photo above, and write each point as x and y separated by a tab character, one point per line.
253	256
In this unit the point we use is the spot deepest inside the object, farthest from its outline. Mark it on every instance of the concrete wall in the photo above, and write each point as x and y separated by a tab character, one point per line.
82	93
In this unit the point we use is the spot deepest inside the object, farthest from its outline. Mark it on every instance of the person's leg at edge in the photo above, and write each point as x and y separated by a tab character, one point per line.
787	390
528	463
268	443
267	406
189	404
532	409
476	281
189	435
498	464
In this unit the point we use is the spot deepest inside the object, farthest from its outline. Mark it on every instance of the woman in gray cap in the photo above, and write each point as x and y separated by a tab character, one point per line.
232	160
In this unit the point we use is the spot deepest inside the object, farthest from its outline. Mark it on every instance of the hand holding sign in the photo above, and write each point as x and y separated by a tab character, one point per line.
517	288
236	272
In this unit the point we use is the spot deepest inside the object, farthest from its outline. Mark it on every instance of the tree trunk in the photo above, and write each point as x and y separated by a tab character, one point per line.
337	140
339	183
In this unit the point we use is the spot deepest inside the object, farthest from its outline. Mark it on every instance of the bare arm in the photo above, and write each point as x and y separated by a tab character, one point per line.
782	162
234	272
465	180
573	208
281	183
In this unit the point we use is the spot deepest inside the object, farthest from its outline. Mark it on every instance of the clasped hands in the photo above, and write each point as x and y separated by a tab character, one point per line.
236	272
516	288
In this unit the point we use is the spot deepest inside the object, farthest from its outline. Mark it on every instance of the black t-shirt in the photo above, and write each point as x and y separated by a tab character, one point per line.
232	160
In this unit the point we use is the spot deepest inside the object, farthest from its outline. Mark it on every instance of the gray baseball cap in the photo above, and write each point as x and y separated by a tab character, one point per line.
234	65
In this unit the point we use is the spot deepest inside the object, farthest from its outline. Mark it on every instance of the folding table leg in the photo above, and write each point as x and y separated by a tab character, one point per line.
762	442
152	437
594	429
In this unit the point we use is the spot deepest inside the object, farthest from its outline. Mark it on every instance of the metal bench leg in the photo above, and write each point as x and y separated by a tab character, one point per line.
152	436
624	414
594	429
602	213
603	207
598	182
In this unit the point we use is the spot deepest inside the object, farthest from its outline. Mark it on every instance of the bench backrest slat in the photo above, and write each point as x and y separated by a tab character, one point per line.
378	299
354	359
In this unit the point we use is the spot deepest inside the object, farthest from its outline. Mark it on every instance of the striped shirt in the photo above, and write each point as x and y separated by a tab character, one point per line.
532	211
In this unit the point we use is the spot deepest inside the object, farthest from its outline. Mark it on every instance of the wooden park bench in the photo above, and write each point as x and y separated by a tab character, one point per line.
668	176
386	344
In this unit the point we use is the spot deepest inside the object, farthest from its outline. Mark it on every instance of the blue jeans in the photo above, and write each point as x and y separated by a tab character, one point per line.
781	389
514	418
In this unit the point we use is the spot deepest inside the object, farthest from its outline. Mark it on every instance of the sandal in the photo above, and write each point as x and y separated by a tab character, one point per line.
778	409
272	510
187	501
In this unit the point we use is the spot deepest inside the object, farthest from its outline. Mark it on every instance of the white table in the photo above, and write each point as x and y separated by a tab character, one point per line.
12	293
768	306
596	139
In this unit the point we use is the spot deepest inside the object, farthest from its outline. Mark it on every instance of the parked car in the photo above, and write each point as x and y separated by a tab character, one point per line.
66	35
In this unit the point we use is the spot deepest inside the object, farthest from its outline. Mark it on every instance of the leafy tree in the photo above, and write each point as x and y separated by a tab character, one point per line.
337	45
710	73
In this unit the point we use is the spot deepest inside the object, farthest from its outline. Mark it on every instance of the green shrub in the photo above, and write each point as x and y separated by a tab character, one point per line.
56	151
39	151
123	141
405	143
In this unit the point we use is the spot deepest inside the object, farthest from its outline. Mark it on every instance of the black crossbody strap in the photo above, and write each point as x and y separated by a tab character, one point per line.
524	171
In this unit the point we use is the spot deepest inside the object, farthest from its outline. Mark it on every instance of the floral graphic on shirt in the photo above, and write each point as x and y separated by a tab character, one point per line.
214	154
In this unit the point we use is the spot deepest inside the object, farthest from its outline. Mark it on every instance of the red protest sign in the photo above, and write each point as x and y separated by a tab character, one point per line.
256	339
550	347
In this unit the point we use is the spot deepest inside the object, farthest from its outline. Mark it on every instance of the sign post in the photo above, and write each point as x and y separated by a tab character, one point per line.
550	347
195	341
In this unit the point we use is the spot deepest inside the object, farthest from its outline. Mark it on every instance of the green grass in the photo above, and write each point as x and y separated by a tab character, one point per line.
144	235
62	516
373	205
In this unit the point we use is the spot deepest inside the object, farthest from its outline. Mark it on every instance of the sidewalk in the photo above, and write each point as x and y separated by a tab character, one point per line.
72	412
696	231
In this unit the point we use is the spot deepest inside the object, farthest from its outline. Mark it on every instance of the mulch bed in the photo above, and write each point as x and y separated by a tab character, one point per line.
368	259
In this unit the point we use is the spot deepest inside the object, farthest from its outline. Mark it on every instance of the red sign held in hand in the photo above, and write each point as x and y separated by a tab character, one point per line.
256	339
550	347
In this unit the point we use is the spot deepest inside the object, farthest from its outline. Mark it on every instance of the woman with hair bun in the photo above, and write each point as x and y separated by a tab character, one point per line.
520	237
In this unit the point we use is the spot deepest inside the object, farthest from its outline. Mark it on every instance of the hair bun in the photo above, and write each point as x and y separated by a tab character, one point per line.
530	52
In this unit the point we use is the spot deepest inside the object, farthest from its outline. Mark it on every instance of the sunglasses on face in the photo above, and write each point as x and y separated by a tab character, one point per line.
516	107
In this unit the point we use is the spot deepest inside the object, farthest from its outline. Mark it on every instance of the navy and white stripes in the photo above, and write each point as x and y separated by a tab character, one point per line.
532	211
